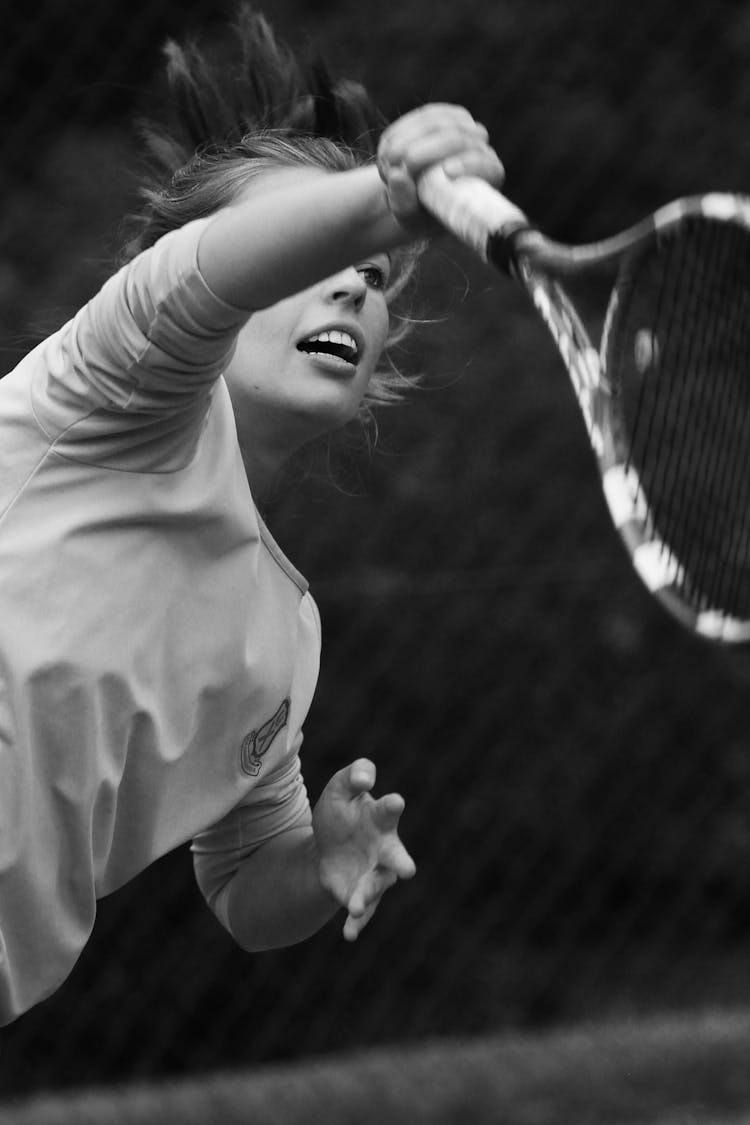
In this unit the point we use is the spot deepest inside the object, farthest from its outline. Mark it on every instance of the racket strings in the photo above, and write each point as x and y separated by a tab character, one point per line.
738	489
679	356
729	520
712	466
716	540
710	346
645	347
652	446
702	458
669	419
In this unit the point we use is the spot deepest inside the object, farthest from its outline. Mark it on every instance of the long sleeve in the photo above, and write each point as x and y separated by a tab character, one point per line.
127	382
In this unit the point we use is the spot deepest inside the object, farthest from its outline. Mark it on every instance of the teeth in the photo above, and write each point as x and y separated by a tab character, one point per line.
334	336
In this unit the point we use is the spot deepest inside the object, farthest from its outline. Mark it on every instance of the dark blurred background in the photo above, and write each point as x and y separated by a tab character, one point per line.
576	768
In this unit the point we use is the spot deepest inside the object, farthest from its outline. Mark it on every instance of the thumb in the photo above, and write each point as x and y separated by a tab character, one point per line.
402	190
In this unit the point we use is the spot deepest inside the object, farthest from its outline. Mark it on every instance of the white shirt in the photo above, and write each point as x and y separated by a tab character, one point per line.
158	654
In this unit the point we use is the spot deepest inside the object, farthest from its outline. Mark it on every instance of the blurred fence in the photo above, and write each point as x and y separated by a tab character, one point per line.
575	768
660	1071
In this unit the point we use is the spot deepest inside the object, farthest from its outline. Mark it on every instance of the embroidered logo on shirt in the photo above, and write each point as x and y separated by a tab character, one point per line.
256	744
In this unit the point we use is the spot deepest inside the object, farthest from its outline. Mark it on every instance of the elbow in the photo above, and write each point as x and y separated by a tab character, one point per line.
256	934
265	943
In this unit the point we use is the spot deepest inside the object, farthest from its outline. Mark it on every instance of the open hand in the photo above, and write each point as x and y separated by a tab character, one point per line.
358	845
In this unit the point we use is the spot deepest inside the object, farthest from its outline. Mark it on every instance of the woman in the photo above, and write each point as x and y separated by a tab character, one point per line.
158	653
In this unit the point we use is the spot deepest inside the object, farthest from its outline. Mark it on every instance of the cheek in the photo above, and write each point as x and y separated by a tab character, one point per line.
240	365
259	345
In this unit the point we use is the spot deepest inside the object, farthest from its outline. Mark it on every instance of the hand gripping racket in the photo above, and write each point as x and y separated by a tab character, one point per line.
666	395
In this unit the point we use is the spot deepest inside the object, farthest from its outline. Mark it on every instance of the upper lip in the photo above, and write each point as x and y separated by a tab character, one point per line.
338	326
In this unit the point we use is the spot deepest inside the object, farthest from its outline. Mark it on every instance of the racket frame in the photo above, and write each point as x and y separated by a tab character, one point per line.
501	234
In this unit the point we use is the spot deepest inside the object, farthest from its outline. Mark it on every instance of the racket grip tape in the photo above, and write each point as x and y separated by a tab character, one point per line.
472	210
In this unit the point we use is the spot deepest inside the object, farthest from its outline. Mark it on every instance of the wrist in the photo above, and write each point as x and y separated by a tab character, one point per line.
403	201
321	864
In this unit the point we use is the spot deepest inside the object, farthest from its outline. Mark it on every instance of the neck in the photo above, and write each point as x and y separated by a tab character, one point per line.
262	469
266	448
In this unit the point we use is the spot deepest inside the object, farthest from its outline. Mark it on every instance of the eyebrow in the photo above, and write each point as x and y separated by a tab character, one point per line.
379	256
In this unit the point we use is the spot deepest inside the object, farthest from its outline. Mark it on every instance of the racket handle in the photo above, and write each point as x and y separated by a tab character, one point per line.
469	208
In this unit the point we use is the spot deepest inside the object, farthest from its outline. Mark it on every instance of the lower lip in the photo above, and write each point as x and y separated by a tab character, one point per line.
331	362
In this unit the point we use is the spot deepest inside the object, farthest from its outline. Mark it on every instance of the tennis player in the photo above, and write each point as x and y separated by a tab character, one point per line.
158	651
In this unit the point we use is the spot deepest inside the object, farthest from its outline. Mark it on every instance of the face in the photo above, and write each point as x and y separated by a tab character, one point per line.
303	365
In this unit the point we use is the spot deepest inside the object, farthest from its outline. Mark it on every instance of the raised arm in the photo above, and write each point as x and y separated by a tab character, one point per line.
295	226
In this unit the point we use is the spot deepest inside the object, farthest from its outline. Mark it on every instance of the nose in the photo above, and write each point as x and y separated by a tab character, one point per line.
347	288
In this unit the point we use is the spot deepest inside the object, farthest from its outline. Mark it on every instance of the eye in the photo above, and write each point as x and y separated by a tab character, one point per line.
375	275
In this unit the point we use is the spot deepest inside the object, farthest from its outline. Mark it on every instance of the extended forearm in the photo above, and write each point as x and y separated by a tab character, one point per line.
291	229
276	898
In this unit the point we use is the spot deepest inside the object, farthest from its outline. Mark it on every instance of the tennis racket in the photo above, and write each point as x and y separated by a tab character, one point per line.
665	394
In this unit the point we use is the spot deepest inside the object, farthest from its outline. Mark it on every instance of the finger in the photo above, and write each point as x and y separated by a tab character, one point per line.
387	810
432	111
361	776
361	897
432	148
433	118
369	890
394	857
357	919
403	198
483	162
353	927
367	895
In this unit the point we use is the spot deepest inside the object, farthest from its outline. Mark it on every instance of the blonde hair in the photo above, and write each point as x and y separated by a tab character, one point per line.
229	121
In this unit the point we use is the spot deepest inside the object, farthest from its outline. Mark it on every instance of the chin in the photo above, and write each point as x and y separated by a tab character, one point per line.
326	412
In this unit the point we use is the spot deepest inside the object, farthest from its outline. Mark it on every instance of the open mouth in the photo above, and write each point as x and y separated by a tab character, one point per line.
334	342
